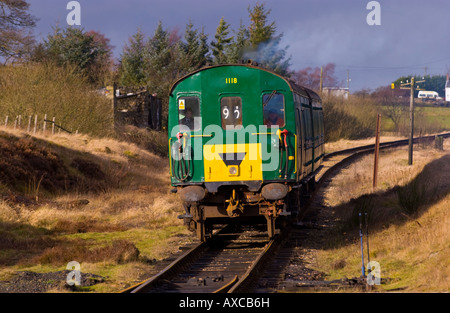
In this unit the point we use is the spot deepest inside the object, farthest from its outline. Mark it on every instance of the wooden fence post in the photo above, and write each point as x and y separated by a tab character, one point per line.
35	124
45	124
29	124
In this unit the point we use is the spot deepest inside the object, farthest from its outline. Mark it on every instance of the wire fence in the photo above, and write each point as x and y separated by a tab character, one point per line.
36	124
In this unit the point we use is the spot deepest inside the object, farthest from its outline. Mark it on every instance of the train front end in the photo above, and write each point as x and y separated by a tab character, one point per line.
232	145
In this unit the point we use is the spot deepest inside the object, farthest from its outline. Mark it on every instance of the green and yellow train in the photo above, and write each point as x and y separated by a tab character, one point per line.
244	142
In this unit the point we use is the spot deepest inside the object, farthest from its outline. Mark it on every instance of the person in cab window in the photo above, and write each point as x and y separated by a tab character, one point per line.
273	119
188	120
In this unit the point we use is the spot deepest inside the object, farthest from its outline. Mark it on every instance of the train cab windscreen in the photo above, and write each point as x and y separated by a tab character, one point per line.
189	112
273	109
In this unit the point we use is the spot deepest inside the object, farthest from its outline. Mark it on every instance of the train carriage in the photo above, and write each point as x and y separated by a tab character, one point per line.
244	143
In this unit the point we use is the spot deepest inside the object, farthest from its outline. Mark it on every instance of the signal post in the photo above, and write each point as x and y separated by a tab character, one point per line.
411	115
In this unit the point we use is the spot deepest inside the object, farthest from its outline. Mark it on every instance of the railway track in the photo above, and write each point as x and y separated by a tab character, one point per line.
235	262
337	159
223	264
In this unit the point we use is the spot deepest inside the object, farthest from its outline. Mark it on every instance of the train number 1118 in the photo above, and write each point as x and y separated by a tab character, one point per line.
231	80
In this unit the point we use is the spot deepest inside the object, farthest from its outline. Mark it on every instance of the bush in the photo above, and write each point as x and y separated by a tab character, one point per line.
59	92
351	119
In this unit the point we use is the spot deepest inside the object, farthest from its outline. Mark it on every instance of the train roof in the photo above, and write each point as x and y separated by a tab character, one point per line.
294	86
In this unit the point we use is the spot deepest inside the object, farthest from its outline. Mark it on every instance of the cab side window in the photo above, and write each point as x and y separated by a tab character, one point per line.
189	112
273	109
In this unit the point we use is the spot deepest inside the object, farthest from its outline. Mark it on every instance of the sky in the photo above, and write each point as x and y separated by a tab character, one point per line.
412	38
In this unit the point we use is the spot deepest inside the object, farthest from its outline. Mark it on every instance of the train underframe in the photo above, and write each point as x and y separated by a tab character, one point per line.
236	204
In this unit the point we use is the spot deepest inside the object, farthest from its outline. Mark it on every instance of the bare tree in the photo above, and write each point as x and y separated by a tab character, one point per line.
310	77
393	107
16	39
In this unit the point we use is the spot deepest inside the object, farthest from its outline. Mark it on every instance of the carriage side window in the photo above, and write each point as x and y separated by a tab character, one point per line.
189	112
273	109
231	111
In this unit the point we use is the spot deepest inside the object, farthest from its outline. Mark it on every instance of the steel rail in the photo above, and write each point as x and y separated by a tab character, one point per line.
169	270
384	145
245	282
241	284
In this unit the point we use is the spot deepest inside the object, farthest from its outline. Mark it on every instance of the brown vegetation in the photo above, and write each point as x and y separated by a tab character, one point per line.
408	220
95	201
58	92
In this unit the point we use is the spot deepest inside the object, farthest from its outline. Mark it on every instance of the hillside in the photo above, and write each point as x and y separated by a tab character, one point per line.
107	205
409	232
103	203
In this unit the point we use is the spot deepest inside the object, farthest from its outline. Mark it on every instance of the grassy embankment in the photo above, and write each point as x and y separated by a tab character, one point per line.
101	202
408	220
129	218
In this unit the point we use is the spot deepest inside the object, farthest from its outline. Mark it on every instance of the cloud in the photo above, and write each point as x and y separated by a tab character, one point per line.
316	31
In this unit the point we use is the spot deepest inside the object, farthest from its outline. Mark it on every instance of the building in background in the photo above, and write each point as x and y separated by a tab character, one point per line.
336	92
447	90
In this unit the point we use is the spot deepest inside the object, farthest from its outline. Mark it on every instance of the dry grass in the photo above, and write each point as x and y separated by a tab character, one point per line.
58	92
128	216
411	247
120	251
393	170
343	144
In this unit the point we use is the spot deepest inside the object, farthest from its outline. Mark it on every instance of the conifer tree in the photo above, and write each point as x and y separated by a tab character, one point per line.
88	51
222	42
163	66
159	49
133	62
195	49
235	50
259	31
263	42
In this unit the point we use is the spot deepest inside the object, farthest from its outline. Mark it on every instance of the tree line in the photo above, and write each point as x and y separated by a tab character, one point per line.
144	60
154	61
162	57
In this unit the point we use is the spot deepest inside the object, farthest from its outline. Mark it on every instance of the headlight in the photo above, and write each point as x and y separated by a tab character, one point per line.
233	170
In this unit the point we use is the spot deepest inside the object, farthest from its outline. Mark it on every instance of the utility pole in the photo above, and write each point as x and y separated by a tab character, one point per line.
411	124
321	79
411	116
348	80
348	83
377	149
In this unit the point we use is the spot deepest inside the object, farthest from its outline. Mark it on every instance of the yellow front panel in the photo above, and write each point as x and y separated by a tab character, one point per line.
232	162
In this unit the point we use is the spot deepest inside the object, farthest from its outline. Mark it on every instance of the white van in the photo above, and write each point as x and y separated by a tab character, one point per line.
431	95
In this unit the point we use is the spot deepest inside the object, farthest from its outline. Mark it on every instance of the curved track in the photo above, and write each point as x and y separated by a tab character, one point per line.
216	266
232	261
